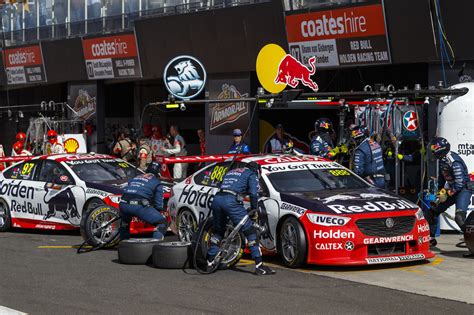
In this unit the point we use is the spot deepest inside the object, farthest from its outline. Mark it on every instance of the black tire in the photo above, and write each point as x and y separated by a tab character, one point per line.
5	216
92	220
92	204
186	224
136	251
204	242
292	253
172	255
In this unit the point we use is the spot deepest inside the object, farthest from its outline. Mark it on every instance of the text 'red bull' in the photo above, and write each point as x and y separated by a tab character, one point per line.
290	71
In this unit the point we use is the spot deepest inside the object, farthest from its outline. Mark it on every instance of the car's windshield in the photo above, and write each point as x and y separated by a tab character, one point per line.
315	180
107	171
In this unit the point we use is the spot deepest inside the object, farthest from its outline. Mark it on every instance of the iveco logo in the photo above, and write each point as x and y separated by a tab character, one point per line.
389	223
185	77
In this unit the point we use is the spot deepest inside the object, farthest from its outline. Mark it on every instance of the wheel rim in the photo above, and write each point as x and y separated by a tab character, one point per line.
104	235
3	214
289	242
186	226
234	248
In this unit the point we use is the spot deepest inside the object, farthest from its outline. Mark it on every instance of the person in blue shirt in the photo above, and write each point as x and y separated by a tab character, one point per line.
368	157
143	198
228	203
321	142
238	146
453	180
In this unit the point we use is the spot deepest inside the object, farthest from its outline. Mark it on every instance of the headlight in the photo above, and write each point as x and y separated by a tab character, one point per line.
115	199
419	214
327	220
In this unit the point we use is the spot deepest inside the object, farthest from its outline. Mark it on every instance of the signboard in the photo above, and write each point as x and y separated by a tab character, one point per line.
24	65
350	36
83	100
184	77
112	57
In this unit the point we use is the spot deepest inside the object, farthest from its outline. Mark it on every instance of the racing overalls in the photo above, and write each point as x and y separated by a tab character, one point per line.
276	145
178	149
240	148
321	145
368	162
228	202
453	176
145	156
125	148
143	198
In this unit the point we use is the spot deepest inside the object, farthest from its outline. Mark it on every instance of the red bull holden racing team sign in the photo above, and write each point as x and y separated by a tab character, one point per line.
349	36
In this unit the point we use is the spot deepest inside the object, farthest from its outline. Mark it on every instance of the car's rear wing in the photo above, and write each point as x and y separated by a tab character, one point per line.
165	161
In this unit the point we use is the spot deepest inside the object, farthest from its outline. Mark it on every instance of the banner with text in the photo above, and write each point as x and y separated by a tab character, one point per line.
350	36
112	57
24	65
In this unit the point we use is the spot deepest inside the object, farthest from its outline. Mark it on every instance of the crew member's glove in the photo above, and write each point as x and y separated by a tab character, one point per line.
442	195
390	154
343	149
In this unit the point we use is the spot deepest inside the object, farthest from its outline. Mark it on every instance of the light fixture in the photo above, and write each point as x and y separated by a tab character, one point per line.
20	114
9	113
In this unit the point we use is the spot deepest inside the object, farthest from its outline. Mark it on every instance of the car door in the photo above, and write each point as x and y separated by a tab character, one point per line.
62	198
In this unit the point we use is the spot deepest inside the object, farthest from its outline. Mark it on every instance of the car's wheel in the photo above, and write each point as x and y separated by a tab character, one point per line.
5	216
92	204
292	243
172	255
186	225
100	226
136	251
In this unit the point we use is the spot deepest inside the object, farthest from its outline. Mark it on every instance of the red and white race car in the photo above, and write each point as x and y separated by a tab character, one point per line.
54	191
319	212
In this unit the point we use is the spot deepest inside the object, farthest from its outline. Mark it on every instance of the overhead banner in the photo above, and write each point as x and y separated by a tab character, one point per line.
24	65
112	57
351	36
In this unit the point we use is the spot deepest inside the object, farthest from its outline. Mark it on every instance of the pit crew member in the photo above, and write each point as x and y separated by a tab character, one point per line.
278	141
145	155
55	147
177	149
238	146
453	178
18	149
143	198
228	202
321	143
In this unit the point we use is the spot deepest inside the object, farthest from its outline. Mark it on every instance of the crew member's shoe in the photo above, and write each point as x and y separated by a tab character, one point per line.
433	242
261	270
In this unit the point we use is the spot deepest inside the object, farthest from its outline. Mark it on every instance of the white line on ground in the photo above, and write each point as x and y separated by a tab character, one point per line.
9	311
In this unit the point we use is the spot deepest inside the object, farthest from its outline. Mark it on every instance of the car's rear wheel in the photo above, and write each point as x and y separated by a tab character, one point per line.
186	225
5	216
292	243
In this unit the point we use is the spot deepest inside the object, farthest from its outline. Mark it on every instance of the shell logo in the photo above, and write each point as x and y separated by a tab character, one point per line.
71	145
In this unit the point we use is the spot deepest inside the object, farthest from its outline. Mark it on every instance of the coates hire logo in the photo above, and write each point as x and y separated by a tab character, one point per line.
119	46
226	113
25	56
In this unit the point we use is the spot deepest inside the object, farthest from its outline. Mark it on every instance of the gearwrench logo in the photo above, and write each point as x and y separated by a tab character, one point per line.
184	77
290	71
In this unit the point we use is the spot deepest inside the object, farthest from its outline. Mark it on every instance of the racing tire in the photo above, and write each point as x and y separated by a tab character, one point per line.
172	255
94	219
186	225
136	251
292	243
92	204
201	240
5	216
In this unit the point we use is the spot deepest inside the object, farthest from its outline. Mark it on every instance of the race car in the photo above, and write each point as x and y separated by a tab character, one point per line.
319	212
53	192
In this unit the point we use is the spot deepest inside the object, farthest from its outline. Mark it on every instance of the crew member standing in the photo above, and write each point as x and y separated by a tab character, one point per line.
145	155
228	202
278	141
321	143
125	148
143	198
238	146
21	138
18	150
368	157
177	149
453	178
53	147
202	140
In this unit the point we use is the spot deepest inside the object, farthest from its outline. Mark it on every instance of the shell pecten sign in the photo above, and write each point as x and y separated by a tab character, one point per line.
71	145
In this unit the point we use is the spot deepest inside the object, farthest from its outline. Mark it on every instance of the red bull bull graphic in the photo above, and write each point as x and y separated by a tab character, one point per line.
293	72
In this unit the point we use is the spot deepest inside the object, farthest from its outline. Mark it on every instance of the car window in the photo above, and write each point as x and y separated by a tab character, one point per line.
53	172
24	171
315	180
105	171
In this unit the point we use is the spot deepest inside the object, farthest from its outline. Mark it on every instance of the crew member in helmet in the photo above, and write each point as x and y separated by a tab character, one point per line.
321	143
18	149
21	138
238	146
453	179
143	198
2	155
228	202
368	157
54	146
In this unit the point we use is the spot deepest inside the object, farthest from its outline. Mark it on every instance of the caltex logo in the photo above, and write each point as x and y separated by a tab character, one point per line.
410	121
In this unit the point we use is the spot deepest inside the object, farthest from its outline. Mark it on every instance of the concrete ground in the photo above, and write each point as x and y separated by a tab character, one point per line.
41	273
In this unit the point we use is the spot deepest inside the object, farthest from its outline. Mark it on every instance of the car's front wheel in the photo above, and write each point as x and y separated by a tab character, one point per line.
292	243
5	216
186	225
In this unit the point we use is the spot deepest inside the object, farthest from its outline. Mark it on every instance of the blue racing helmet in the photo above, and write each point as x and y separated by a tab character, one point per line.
440	147
154	168
323	125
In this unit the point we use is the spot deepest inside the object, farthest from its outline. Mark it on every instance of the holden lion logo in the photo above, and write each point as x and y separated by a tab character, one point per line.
225	113
290	71
410	121
389	223
184	77
71	145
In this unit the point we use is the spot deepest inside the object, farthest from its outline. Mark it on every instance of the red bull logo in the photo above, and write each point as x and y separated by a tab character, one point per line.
435	147
293	72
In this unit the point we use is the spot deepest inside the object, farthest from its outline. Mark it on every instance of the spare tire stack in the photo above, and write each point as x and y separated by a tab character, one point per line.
136	251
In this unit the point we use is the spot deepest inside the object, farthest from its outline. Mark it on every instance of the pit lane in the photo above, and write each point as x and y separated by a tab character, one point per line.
41	273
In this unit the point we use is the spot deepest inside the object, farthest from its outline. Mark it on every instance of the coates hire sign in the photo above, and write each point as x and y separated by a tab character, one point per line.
112	57
344	37
24	65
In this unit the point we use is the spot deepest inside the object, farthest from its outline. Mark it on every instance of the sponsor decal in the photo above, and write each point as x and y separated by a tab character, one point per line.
373	206
422	228
383	260
292	72
328	220
226	113
329	246
391	239
79	162
184	77
27	207
96	192
466	149
109	57
24	65
45	227
349	245
410	121
16	189
71	145
299	166
289	207
62	201
337	198
333	234
288	159
423	239
389	223
197	197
